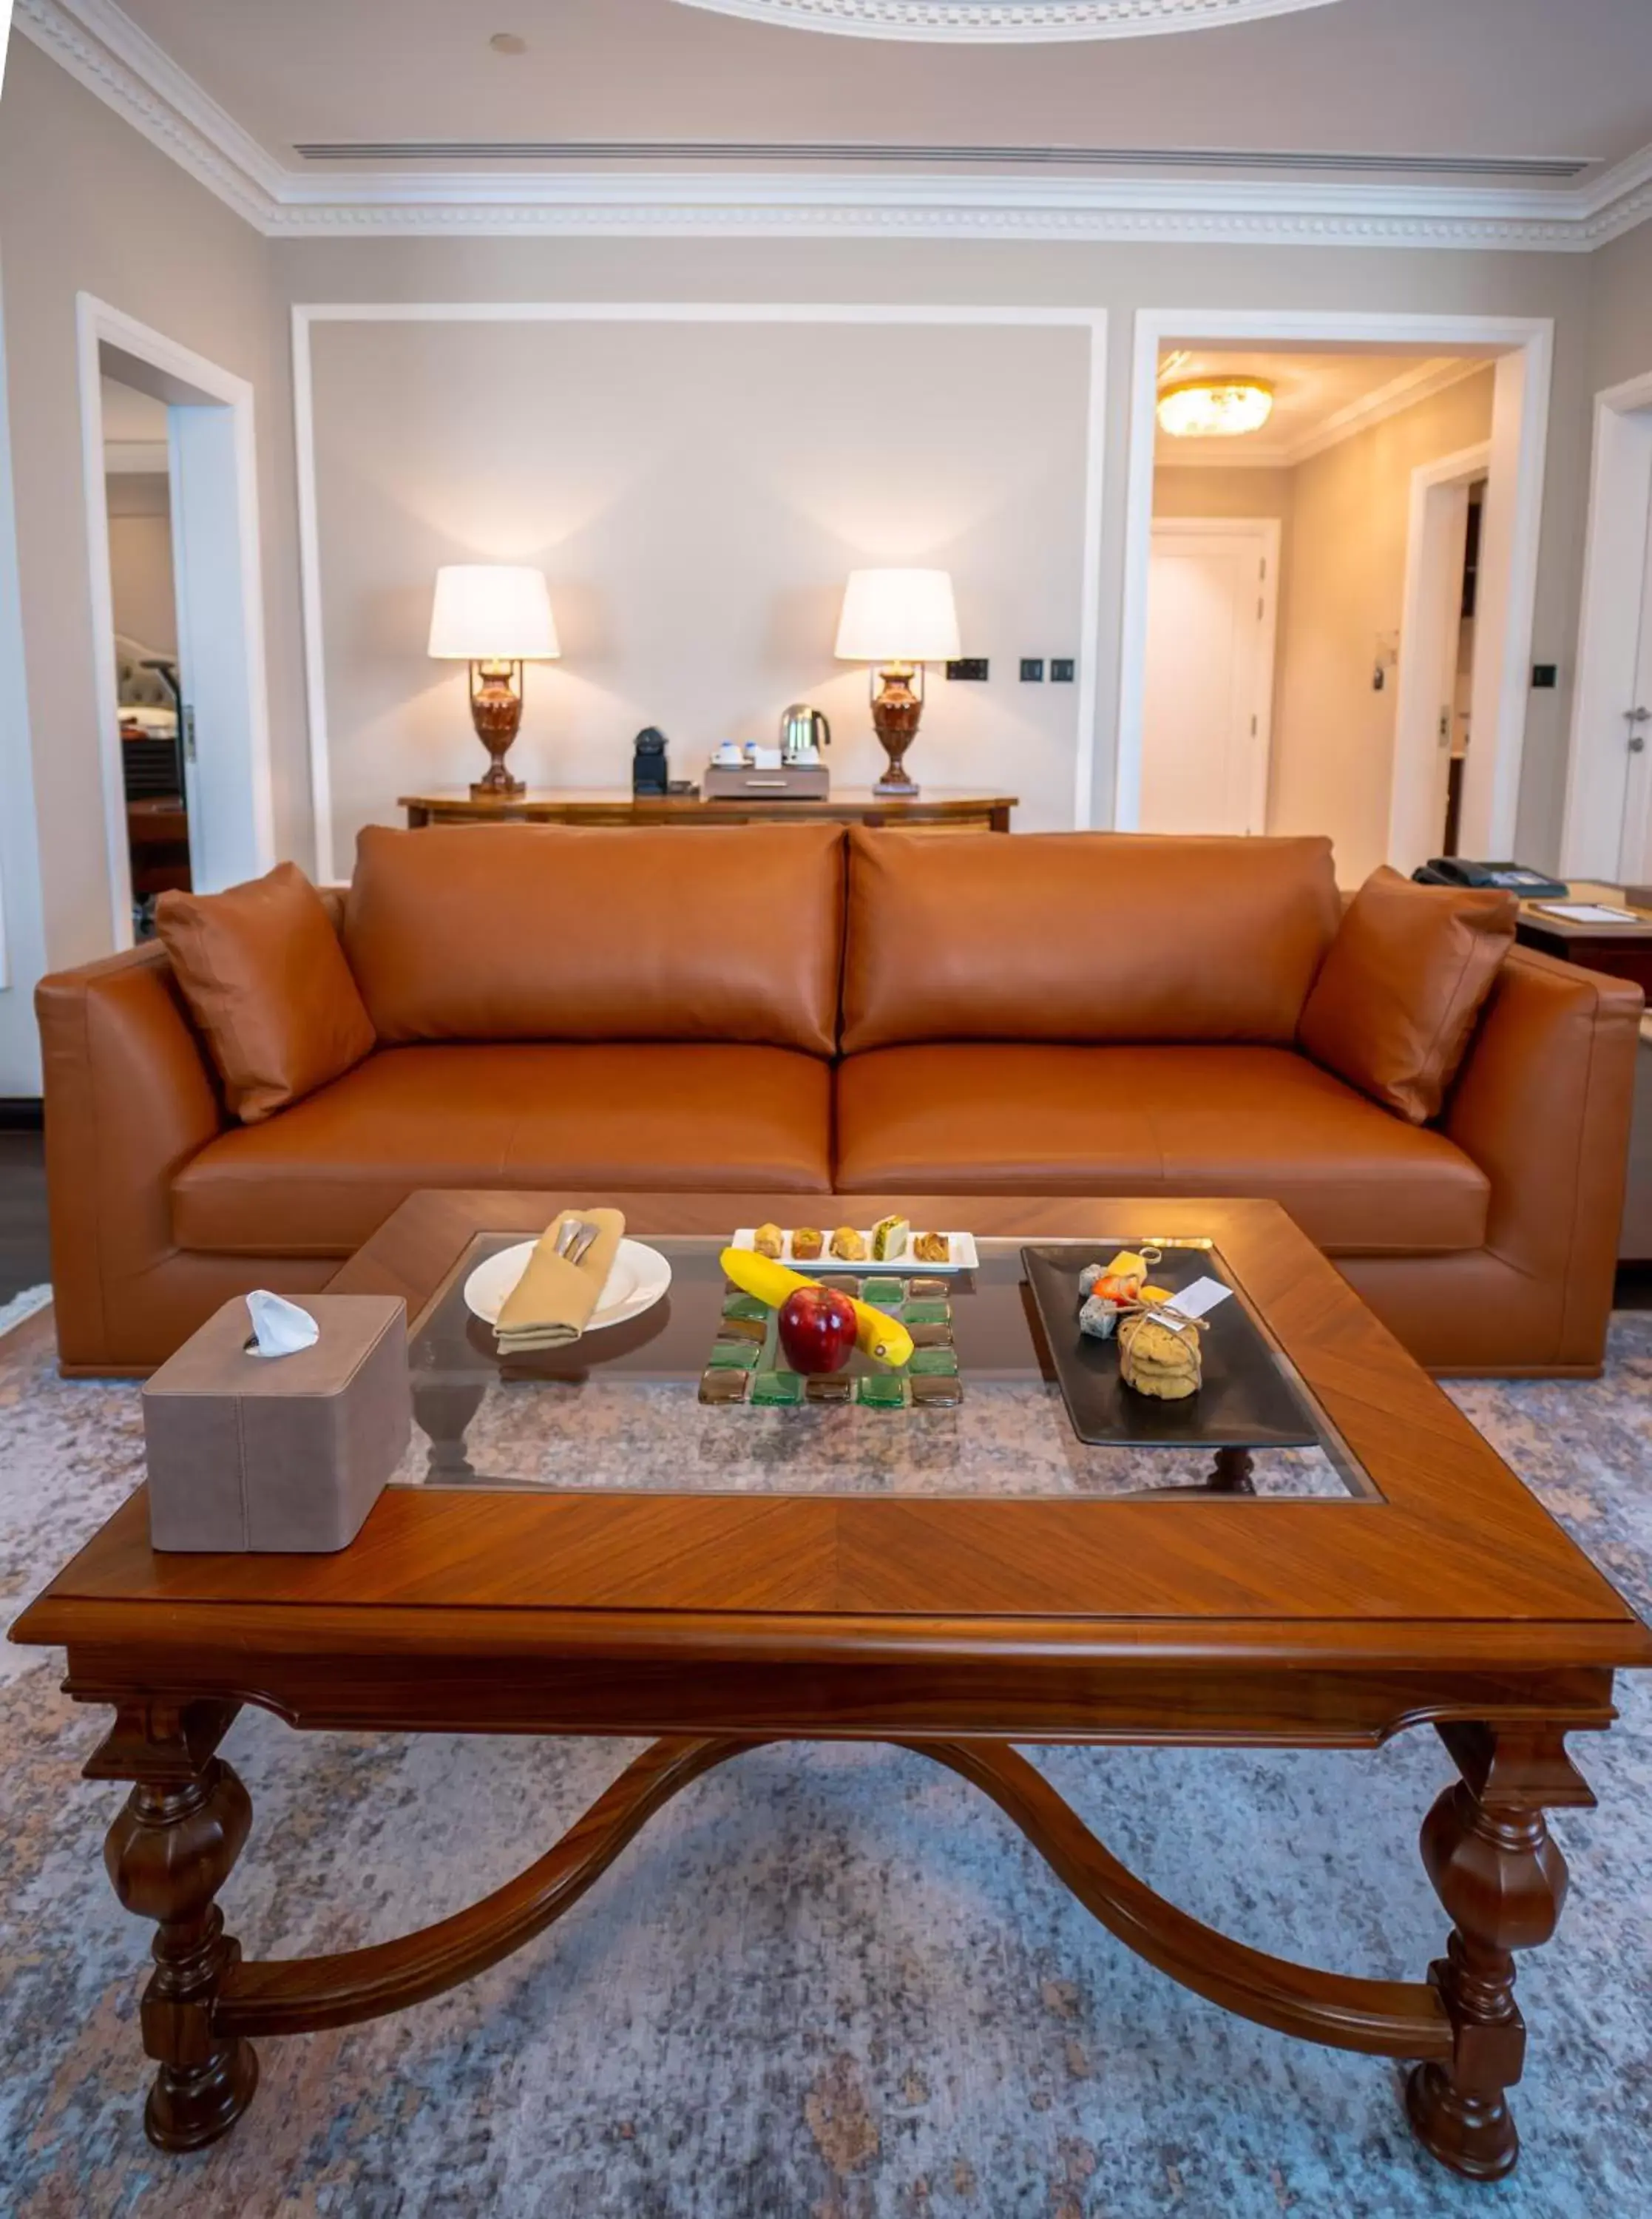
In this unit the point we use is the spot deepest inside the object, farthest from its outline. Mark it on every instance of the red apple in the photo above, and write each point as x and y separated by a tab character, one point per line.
818	1327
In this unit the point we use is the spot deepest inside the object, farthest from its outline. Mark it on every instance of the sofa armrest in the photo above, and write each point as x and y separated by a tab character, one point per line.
129	1098
1543	1105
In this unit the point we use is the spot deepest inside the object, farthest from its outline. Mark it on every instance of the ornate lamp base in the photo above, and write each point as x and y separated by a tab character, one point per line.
496	713
896	710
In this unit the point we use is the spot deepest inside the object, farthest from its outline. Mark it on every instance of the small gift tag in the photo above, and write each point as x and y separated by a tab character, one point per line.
1195	1301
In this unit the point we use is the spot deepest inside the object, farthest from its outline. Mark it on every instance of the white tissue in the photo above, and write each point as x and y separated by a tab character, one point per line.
280	1327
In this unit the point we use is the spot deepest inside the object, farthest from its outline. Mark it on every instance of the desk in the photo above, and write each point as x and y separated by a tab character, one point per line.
933	811
1624	951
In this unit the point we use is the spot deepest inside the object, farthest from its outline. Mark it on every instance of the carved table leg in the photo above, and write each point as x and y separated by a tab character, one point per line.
1230	1474
168	1853
1503	1881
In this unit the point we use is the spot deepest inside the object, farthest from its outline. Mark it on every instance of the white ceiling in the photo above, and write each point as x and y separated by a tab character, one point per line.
1321	395
1531	79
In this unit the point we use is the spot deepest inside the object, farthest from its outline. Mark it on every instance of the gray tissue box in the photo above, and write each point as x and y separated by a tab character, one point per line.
278	1452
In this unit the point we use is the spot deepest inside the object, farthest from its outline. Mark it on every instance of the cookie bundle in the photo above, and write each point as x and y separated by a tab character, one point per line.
1158	1358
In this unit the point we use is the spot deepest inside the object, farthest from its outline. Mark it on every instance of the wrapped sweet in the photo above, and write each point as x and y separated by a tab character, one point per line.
1159	1358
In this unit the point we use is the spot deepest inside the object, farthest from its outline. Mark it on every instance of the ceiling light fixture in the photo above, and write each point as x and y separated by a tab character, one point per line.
971	22
1215	408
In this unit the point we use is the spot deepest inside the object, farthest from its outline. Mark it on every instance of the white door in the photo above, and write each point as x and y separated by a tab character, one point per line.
1635	728
1206	714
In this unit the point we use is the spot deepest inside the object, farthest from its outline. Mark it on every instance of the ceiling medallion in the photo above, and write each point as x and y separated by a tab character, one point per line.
1005	21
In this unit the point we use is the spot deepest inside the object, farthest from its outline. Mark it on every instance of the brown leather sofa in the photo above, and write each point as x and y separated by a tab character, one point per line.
785	1011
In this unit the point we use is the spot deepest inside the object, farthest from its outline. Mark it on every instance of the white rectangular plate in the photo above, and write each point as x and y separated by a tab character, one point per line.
962	1257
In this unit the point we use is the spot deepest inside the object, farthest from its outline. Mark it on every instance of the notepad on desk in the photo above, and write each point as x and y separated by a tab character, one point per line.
1590	913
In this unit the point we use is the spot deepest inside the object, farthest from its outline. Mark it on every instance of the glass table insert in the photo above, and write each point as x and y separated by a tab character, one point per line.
619	1410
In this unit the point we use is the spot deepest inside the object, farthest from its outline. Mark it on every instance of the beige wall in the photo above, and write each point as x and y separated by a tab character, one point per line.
1621	278
87	203
1219	492
141	560
697	494
1333	734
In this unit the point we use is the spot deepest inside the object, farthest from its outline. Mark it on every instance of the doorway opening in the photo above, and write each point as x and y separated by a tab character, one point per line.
1442	665
1324	423
1608	835
137	490
184	721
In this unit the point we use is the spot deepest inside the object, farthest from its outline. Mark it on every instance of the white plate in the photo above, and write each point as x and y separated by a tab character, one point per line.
637	1277
961	1254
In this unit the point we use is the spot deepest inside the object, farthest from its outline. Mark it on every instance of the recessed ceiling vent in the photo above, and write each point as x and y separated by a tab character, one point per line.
1485	168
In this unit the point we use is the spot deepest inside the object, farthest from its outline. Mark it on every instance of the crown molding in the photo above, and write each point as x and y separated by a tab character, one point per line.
1020	23
106	51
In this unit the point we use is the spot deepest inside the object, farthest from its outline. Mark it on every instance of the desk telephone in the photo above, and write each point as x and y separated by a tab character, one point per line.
1508	878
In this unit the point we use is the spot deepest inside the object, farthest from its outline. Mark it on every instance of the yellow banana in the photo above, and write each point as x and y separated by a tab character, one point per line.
877	1334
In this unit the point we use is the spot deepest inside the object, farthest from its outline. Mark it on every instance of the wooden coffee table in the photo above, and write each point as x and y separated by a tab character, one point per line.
908	1581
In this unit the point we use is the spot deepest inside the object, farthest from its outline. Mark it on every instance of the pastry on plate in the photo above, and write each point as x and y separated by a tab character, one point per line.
848	1246
933	1247
769	1240
888	1237
807	1243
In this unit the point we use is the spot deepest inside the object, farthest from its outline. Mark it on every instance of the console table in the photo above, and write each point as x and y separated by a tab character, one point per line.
931	812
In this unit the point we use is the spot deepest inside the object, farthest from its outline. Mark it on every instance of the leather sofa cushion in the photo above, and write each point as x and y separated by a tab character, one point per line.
266	982
1394	1007
555	932
320	1178
1020	1119
1085	937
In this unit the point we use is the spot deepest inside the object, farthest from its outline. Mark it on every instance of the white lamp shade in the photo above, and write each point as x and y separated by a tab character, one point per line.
491	613
898	616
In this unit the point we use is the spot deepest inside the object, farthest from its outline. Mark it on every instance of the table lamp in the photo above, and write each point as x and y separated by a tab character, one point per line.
494	616
898	621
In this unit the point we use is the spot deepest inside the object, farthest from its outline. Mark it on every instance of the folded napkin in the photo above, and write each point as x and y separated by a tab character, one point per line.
551	1304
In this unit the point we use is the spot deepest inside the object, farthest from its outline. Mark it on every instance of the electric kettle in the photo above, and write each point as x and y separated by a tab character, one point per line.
804	732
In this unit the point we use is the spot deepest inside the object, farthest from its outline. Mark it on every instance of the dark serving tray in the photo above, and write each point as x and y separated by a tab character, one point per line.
1246	1401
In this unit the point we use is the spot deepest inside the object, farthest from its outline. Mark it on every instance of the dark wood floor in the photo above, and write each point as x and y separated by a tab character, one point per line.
23	1258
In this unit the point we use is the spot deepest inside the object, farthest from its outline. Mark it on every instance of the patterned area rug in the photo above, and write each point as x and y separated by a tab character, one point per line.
831	1983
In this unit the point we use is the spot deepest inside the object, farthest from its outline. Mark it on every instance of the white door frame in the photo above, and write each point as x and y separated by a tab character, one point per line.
1615	551
1265	531
1522	348
22	923
174	374
1427	644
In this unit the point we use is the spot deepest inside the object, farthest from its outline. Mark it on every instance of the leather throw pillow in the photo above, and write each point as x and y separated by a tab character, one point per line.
1394	1004
266	981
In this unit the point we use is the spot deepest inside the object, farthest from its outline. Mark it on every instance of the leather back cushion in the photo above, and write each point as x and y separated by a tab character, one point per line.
554	932
264	977
1393	1009
1086	937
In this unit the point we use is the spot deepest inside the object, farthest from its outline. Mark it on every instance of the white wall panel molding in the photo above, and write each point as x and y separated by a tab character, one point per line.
306	315
106	51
